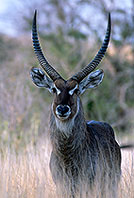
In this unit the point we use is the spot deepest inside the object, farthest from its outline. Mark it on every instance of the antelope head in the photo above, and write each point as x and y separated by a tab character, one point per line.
66	92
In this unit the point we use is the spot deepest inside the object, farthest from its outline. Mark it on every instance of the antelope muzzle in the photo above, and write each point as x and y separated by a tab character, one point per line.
63	111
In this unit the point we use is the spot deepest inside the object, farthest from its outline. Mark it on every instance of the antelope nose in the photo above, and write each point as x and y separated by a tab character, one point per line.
63	110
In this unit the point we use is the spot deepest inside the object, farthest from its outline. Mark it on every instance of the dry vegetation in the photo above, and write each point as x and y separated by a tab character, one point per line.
27	174
24	142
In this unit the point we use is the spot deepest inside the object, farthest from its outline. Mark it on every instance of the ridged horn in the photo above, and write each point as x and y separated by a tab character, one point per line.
95	62
52	73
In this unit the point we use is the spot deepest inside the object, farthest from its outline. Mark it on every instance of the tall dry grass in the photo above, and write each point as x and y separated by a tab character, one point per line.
27	175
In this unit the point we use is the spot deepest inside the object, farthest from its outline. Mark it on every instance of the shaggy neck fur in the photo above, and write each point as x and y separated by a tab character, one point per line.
67	136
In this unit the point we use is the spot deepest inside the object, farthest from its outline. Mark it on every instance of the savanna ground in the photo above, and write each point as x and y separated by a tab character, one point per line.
24	110
27	174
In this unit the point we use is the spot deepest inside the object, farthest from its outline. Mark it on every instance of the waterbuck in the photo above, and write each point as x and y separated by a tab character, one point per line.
80	149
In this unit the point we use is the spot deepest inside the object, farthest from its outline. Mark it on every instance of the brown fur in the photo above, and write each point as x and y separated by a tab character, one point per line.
82	154
80	151
64	98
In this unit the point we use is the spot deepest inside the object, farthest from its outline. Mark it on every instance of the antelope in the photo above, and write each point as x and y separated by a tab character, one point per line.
79	148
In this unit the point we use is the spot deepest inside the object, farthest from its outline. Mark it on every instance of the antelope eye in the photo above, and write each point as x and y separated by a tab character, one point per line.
54	90
76	91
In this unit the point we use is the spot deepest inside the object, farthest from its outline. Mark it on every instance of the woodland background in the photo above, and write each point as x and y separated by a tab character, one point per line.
71	32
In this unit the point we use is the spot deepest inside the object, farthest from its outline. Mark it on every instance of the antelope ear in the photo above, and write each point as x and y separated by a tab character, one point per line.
92	81
40	79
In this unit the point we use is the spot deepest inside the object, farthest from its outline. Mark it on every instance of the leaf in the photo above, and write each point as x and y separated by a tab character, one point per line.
121	11
77	34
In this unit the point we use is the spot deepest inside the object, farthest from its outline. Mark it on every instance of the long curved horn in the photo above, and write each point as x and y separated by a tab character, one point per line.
95	62
52	73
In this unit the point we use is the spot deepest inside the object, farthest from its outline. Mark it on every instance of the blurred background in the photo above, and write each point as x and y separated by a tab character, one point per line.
71	32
